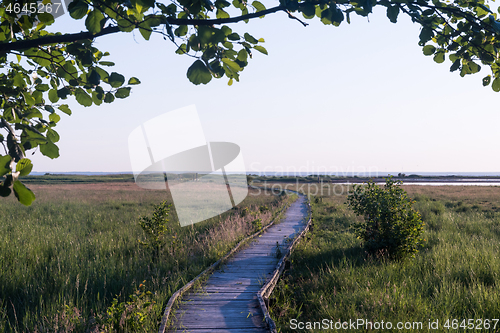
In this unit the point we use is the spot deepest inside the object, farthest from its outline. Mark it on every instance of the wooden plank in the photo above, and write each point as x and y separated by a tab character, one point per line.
221	324
233	281
220	286
203	294
226	311
219	330
236	303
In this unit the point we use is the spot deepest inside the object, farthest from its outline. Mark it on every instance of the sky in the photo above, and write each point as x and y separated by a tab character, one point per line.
359	98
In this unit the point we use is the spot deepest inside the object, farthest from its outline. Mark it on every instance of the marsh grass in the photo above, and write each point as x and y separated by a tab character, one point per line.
455	275
64	259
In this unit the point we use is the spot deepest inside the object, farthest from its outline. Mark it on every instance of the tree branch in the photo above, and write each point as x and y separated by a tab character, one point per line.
68	38
235	19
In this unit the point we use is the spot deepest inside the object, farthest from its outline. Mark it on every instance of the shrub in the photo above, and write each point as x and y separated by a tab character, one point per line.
391	227
244	212
156	230
257	224
130	316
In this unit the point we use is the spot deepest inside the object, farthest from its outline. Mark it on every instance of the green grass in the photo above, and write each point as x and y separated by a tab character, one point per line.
64	259
455	276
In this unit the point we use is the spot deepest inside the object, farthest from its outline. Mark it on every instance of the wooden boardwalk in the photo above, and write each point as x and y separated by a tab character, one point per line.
228	301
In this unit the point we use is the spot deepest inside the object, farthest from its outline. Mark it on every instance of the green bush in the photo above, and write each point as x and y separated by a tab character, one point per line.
391	227
156	230
130	316
257	224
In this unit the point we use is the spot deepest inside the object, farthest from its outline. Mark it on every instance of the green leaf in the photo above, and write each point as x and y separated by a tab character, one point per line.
106	63
24	166
65	108
482	10
182	30
46	18
455	66
496	84
19	81
426	35
78	9
261	49
474	68
53	95
392	13
337	16
28	98
63	93
23	194
182	49
133	81
52	135
145	30
42	87
94	78
50	150
93	21
109	98
82	97
54	117
231	64
198	73
102	73
33	136
221	14
233	36
439	57
429	50
97	97
5	164
5	190
486	80
242	55
122	92
249	38
308	10
116	80
258	6
125	25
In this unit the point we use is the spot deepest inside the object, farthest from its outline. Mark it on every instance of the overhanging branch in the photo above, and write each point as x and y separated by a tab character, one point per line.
68	38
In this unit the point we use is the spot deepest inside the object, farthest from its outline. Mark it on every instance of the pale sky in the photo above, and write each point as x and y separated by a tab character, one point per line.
359	97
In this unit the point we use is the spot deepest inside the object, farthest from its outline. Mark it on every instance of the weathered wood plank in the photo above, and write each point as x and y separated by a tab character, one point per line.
236	303
222	297
219	330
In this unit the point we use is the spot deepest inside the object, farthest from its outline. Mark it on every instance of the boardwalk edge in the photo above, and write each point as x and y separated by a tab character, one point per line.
267	289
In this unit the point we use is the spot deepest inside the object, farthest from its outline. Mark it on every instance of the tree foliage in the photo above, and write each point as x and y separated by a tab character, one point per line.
40	70
391	227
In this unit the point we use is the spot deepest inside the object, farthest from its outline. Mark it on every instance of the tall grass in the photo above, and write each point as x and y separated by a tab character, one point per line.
64	259
456	275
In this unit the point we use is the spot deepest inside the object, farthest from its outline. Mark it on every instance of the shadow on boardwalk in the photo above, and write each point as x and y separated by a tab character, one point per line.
228	300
